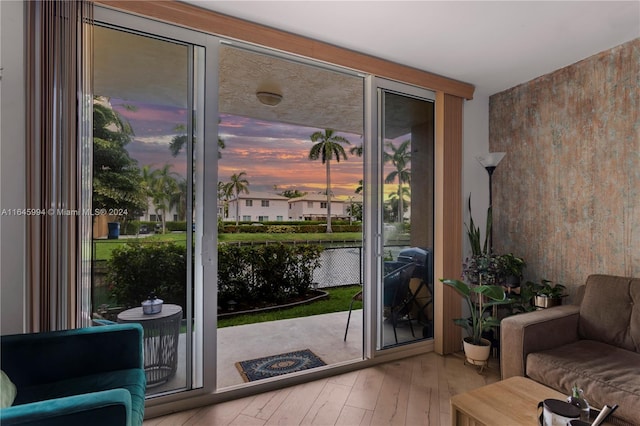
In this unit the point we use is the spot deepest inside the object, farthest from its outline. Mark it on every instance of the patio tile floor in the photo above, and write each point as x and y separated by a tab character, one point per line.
322	334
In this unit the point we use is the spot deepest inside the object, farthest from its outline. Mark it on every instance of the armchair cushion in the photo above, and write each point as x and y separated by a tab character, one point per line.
7	390
85	376
58	355
105	408
595	345
607	374
530	332
611	316
131	380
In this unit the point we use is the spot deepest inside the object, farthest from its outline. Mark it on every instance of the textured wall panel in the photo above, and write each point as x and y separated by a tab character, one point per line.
567	194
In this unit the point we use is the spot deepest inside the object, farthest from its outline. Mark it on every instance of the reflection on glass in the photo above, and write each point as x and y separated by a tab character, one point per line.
407	182
141	174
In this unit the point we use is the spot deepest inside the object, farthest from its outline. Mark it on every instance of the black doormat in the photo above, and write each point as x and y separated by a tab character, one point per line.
276	365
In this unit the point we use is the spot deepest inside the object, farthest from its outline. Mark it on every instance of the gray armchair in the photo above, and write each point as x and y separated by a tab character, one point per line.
88	376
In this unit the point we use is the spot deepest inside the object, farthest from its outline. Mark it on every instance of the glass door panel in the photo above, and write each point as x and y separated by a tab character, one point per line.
143	202
407	181
290	224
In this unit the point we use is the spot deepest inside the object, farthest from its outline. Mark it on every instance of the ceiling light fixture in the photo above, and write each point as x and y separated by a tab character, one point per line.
269	98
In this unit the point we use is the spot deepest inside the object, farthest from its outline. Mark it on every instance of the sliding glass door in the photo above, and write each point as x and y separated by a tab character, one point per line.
405	181
147	124
281	208
289	217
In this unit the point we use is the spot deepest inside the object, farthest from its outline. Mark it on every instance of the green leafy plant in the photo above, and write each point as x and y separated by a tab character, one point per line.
484	269
475	295
137	270
473	233
512	264
523	302
265	274
547	288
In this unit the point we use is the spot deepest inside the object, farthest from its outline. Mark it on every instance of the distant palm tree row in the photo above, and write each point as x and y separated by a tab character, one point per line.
399	157
118	182
166	189
329	146
236	186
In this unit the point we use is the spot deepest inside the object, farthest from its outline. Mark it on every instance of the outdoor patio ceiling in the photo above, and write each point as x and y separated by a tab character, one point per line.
133	68
311	96
141	69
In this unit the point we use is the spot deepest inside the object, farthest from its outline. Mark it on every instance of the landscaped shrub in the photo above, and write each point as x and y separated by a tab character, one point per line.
307	227
234	273
176	226
284	271
251	276
129	228
346	228
311	229
137	270
265	274
281	229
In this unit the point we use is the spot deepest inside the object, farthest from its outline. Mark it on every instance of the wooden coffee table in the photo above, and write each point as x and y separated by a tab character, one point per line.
513	401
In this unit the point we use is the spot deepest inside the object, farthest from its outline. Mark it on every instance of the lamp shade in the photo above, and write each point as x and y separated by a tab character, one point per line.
491	159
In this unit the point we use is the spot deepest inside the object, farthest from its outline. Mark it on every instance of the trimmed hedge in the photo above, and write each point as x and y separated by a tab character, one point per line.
304	228
265	274
315	227
136	270
248	275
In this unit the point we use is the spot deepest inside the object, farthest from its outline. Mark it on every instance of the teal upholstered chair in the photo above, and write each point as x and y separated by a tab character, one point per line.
88	376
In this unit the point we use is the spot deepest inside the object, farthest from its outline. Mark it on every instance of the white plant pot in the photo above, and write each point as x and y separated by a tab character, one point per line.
475	354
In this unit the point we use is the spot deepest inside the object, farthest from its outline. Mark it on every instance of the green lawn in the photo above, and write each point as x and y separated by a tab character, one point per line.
260	238
103	248
338	300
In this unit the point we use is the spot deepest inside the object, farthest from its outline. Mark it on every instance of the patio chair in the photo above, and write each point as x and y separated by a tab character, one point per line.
395	292
397	296
356	297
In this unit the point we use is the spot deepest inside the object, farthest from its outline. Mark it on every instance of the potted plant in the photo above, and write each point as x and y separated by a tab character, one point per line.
484	268
479	299
548	294
513	267
524	300
473	232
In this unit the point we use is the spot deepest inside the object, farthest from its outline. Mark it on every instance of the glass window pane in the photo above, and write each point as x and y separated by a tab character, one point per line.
142	174
407	182
288	129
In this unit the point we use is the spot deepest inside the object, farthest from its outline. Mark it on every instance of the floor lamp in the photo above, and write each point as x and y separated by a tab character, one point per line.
490	162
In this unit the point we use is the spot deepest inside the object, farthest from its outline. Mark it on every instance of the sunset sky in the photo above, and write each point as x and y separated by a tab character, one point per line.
270	153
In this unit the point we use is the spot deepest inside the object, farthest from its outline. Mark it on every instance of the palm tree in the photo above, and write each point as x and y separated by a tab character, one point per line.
179	199
356	150
238	184
396	199
163	186
400	158
179	141
223	196
360	187
327	145
148	183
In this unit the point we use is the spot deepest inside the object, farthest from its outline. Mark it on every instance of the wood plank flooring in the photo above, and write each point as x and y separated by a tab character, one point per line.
413	391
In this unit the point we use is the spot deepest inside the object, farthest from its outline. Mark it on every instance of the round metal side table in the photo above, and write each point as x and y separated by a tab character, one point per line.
161	332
